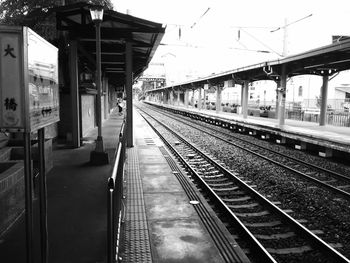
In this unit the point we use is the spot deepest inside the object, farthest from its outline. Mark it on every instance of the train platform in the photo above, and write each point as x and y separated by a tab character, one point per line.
161	223
76	202
328	136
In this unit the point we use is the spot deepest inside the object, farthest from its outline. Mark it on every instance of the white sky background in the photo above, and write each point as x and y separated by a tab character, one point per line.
212	44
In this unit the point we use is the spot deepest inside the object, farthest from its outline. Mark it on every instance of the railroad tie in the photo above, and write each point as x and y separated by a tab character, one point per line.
213	176
213	172
228	189
263	224
286	251
220	184
239	199
251	205
276	236
255	214
216	180
343	186
329	181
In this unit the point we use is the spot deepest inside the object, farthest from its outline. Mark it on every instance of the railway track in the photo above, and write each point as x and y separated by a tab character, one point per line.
336	183
272	234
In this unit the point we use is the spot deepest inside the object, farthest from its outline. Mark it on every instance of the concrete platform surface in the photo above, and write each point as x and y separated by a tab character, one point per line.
165	226
160	225
77	203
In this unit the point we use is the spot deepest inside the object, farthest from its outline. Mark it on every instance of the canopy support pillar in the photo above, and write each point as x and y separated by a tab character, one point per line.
171	97
128	87
74	92
218	99
187	94
282	97
245	87
324	91
199	103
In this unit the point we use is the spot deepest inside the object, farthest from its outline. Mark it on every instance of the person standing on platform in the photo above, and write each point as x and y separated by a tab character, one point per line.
120	108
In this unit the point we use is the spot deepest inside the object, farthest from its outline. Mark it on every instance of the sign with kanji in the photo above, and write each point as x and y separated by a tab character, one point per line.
28	80
11	81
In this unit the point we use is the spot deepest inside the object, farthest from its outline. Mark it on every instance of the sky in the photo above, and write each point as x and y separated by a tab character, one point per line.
223	35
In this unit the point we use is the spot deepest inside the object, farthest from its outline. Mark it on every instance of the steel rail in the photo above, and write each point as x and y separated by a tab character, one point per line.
225	245
301	174
257	246
321	169
315	240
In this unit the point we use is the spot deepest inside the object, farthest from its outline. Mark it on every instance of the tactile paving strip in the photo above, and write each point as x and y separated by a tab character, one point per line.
136	238
149	141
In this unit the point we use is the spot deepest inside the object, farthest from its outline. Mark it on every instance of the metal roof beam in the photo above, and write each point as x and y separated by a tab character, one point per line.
113	62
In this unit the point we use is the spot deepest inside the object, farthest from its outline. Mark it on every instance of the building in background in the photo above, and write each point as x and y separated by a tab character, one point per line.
153	78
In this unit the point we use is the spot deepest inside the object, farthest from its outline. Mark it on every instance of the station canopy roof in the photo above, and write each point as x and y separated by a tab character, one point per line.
326	60
116	30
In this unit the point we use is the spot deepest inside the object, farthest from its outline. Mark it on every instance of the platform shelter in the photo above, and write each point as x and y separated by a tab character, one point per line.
325	61
128	44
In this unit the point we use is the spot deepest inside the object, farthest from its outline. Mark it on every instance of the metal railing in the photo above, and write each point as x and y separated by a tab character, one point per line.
114	199
332	117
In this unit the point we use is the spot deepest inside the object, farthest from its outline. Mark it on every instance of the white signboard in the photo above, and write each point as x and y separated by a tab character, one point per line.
29	80
42	82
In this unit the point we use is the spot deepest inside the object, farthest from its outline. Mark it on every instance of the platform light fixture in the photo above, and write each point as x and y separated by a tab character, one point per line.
98	156
96	13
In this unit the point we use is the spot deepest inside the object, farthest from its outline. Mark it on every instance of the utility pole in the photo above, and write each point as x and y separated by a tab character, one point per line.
285	33
285	38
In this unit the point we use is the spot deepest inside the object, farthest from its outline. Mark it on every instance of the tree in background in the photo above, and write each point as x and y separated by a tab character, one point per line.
36	14
39	15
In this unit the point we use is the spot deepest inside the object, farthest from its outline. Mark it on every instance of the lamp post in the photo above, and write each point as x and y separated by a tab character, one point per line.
98	156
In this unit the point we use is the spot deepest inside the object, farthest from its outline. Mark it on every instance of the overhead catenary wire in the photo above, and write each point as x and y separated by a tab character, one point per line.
195	23
179	28
291	23
253	27
196	46
242	28
262	43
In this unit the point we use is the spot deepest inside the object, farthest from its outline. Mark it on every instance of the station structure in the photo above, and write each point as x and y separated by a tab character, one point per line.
128	44
325	61
151	196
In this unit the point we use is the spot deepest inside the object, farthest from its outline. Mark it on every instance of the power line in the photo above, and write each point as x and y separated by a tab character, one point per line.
194	46
272	31
252	27
194	24
262	43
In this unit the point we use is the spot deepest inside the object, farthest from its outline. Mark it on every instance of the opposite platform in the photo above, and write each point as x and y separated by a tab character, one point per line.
328	136
160	224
